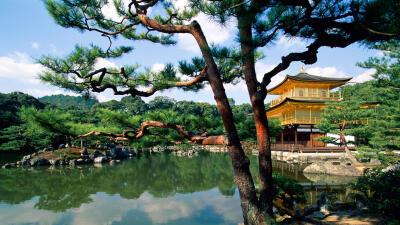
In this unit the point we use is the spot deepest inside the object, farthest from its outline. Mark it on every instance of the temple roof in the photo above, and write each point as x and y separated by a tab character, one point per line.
296	100
305	77
309	77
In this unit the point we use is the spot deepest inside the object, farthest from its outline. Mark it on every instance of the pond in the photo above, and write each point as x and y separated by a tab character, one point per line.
150	189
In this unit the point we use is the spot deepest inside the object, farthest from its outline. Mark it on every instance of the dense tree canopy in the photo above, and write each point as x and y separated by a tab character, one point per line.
370	111
37	129
66	101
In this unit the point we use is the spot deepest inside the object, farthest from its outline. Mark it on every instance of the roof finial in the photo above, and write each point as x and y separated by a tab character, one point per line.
302	69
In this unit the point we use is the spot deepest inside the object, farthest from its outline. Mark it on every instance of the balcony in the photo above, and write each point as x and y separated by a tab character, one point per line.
334	96
312	120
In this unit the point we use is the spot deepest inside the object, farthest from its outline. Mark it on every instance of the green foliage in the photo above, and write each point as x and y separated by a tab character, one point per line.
66	101
51	120
10	104
371	109
380	191
25	138
116	116
387	67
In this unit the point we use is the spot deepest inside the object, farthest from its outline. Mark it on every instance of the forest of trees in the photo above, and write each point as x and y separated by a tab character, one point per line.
370	111
75	115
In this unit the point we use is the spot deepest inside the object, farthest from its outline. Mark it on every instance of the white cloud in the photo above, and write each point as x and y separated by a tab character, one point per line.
214	32
110	12
366	76
103	97
289	42
326	72
19	66
25	213
45	92
35	45
157	67
262	68
158	210
104	63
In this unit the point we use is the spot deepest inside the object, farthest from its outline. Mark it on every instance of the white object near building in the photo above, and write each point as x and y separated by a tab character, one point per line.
337	137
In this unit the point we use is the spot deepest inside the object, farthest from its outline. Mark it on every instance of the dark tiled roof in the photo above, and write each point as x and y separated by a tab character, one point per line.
309	77
303	76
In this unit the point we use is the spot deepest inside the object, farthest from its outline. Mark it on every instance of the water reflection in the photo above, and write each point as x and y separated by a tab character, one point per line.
156	189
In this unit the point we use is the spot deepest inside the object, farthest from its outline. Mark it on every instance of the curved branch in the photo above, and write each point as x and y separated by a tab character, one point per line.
165	28
97	87
310	55
128	135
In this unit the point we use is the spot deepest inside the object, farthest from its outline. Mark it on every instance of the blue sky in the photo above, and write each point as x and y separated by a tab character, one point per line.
29	32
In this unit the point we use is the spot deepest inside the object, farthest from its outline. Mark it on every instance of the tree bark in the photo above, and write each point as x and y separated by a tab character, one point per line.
249	202
260	118
346	149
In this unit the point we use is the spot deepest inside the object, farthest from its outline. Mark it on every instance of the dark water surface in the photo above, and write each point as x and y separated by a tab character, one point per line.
10	157
157	189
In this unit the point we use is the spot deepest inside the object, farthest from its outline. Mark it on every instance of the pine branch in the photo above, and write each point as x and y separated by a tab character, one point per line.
128	135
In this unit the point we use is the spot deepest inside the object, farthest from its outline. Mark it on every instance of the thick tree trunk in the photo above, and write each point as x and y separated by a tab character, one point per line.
260	118
249	202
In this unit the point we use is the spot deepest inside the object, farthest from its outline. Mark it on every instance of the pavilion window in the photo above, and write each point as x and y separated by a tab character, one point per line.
301	93
323	93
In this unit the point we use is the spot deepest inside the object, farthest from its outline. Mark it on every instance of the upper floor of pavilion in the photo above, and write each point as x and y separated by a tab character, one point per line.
307	87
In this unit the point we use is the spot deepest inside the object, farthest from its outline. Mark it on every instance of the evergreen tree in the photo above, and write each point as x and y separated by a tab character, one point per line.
370	111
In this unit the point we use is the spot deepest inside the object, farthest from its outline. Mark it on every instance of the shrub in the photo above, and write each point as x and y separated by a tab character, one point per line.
380	190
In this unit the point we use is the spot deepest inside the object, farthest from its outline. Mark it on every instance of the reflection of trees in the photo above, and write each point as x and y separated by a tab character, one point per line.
160	175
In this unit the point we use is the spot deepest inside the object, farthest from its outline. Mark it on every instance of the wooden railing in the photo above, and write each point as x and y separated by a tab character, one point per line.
312	120
302	148
334	96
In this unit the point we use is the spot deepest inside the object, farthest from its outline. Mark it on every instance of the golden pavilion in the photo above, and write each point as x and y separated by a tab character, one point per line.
301	99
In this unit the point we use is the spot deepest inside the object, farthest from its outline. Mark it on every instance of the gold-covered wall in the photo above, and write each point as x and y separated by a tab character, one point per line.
297	113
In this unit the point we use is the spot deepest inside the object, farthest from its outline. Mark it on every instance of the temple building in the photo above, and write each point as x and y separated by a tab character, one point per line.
299	106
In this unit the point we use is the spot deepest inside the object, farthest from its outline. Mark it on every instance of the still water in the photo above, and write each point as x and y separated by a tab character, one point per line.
157	189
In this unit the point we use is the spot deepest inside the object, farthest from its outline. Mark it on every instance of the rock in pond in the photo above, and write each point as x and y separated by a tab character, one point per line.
84	152
80	161
333	168
9	165
100	159
72	163
95	154
25	162
54	162
115	153
317	215
39	162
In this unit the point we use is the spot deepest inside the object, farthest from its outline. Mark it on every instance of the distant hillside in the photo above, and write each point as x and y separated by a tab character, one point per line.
66	101
10	104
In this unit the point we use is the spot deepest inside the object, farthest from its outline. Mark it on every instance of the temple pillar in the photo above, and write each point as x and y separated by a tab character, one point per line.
311	136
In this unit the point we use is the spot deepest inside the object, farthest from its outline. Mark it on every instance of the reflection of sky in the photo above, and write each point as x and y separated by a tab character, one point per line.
209	207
